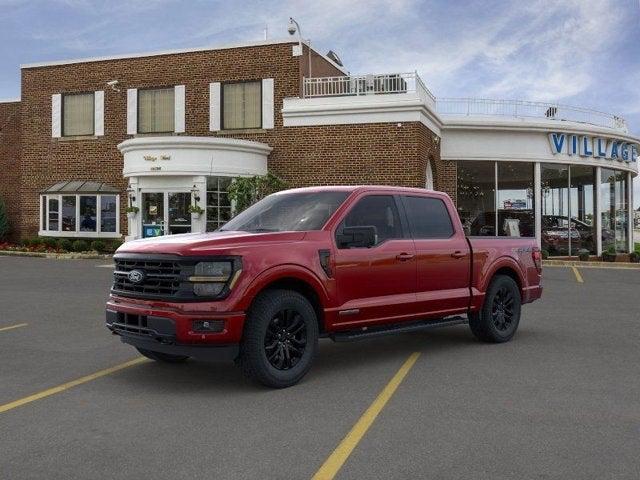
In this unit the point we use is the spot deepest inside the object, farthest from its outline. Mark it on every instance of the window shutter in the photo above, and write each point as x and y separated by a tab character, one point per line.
215	112
56	115
267	103
179	99
98	112
132	111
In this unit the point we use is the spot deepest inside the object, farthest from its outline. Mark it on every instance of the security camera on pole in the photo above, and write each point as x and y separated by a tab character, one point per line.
292	29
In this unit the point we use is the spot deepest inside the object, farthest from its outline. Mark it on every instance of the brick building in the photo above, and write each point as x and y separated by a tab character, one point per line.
163	131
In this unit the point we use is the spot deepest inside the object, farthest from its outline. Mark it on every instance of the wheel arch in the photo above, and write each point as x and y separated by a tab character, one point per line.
508	267
297	279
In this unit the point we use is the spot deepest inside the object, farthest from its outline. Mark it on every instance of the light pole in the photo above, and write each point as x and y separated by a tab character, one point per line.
292	29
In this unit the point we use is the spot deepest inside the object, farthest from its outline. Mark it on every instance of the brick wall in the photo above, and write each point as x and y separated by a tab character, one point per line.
340	154
9	160
444	171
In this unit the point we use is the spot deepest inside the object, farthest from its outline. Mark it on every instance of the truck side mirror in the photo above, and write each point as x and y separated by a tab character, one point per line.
357	237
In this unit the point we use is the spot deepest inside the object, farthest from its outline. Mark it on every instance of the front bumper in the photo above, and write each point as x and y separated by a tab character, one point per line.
172	328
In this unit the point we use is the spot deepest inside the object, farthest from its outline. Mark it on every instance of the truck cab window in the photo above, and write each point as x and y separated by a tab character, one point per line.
378	211
428	217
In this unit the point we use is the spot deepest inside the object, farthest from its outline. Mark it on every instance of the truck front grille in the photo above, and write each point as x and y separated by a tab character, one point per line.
160	278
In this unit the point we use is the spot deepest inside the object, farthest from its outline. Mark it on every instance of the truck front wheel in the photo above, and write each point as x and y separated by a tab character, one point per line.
499	317
280	338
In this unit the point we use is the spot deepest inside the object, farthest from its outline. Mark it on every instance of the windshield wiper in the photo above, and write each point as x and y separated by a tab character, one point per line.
258	230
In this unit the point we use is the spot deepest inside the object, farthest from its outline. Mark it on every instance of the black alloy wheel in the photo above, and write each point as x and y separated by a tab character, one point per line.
502	312
498	319
286	339
280	338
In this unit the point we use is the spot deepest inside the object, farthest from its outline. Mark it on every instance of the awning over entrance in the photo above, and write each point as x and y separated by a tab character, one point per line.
81	186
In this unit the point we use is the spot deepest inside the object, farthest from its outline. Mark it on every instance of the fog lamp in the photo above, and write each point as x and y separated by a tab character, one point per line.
207	326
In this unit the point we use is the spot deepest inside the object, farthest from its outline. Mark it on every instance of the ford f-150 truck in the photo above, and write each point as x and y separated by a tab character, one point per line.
345	263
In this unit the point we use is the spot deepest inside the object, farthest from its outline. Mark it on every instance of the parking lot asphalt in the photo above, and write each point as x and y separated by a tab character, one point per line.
562	400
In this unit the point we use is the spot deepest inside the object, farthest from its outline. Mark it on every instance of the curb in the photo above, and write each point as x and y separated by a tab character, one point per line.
603	265
57	256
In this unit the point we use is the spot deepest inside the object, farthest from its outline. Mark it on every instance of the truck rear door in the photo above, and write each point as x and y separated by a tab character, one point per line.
443	255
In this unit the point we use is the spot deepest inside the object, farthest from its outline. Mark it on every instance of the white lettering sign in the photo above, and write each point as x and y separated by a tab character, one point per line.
597	147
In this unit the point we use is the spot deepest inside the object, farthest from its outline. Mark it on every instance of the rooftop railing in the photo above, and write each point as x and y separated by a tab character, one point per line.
356	85
399	83
526	109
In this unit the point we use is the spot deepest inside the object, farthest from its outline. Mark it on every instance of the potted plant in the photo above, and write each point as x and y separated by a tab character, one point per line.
583	255
610	254
132	211
195	211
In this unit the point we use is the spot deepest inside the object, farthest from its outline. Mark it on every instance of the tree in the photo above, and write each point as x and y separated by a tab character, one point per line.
4	221
245	191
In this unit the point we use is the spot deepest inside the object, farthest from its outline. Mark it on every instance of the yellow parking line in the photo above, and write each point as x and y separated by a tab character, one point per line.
577	274
3	329
68	385
332	465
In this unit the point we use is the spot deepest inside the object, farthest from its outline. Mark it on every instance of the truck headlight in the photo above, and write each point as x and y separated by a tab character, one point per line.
210	278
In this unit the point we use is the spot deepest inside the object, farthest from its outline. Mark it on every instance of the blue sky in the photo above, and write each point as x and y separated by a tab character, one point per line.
581	52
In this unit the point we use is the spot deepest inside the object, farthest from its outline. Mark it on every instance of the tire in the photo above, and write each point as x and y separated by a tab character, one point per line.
499	317
280	339
162	357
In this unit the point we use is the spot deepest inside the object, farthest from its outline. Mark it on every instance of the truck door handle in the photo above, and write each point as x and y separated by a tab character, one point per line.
458	254
404	256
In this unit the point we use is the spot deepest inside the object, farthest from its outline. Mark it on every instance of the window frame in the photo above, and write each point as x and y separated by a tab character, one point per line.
161	132
237	82
98	233
403	198
404	227
93	117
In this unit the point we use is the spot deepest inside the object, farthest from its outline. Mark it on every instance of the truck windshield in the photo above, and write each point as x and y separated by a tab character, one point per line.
286	212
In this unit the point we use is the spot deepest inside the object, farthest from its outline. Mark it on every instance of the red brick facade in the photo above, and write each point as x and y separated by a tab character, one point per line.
338	154
9	160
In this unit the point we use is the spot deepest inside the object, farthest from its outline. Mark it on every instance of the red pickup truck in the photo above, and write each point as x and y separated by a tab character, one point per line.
345	263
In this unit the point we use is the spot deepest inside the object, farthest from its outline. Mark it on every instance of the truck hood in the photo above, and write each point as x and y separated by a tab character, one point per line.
207	243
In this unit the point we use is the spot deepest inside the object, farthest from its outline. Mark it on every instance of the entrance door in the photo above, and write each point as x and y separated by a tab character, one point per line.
179	220
165	213
153	214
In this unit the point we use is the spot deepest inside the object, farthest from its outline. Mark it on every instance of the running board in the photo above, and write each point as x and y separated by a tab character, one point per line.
373	332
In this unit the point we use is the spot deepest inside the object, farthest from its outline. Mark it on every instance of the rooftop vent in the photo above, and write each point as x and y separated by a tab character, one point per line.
334	57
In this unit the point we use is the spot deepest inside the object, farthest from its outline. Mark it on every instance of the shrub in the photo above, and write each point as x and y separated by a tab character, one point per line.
25	242
634	257
245	191
583	254
65	244
113	245
80	246
49	242
35	241
98	246
545	254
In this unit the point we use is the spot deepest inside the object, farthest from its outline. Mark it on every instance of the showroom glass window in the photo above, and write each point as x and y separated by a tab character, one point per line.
218	203
516	217
555	208
476	197
242	105
156	110
80	215
615	217
78	114
582	195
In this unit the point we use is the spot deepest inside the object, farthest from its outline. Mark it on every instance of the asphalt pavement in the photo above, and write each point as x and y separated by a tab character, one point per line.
561	401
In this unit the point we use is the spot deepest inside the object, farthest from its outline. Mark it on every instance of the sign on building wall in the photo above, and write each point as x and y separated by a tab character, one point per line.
596	147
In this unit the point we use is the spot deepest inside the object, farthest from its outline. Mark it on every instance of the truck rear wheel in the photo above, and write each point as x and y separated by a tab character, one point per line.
162	357
499	317
280	339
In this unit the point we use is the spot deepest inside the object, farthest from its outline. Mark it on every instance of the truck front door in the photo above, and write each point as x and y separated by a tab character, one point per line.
376	283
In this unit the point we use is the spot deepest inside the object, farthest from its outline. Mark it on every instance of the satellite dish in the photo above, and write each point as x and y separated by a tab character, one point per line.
334	56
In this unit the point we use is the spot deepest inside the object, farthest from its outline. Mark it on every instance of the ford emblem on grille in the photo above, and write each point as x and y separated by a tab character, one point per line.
136	276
